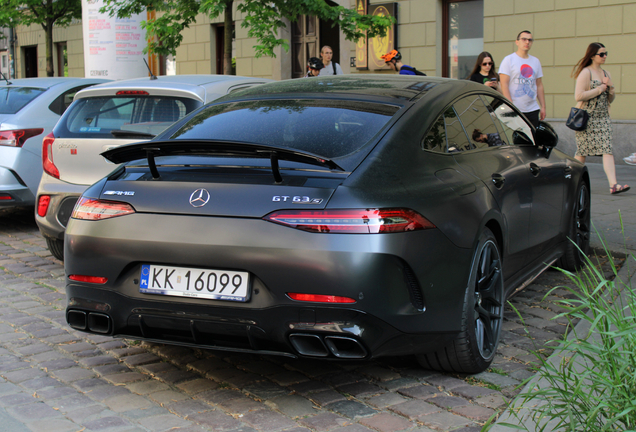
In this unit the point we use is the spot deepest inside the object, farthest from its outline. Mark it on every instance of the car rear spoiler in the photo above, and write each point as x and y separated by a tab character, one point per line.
152	149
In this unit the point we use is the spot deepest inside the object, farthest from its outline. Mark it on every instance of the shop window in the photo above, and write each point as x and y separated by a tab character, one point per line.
463	32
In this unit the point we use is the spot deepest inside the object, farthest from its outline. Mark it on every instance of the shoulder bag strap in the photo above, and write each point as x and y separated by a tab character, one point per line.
586	104
333	63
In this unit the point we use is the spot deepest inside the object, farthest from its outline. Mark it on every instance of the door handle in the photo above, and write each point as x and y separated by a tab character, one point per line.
498	180
568	172
535	169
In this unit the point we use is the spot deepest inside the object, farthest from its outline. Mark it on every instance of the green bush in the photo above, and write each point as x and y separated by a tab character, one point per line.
591	385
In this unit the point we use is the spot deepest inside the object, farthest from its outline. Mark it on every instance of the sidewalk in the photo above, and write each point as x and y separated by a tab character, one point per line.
605	208
605	220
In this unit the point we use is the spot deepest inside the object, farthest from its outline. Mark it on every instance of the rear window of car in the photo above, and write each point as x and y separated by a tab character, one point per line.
13	99
97	117
328	128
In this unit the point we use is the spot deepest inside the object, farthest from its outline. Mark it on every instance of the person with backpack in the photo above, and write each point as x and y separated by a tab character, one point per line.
394	60
331	67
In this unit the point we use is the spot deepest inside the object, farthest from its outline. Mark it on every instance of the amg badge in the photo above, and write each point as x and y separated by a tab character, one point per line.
119	193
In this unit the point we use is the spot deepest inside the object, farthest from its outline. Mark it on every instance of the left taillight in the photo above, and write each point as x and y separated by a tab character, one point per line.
47	156
354	221
90	279
43	204
17	137
92	209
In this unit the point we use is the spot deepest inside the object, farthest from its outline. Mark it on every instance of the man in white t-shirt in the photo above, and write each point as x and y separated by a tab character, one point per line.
331	68
520	75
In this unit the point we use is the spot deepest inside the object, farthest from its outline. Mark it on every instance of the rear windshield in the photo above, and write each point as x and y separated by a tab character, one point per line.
326	128
97	117
13	99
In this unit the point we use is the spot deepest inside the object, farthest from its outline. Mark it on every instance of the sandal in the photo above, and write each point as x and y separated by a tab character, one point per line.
616	189
631	159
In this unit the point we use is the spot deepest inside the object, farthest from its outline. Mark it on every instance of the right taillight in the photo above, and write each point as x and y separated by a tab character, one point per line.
354	221
47	156
92	209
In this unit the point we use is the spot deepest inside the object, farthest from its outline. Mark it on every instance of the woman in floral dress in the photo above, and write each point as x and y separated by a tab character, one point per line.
594	93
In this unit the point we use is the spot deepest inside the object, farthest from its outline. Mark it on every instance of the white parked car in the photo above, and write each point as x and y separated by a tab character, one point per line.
107	116
29	108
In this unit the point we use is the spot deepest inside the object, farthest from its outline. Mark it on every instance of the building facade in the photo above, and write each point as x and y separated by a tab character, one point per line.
438	37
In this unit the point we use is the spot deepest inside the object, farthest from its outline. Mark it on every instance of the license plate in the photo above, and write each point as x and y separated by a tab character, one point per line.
196	283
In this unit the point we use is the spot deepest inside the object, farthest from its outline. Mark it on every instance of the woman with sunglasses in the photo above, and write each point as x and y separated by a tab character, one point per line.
594	93
484	71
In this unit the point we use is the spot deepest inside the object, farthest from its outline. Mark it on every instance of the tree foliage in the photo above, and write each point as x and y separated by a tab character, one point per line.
45	13
262	18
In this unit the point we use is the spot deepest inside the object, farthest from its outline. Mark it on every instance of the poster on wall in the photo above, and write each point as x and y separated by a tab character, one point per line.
380	45
113	47
362	60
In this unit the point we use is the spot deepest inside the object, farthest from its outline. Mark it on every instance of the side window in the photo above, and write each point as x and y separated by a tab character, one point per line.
478	123
446	135
435	140
59	105
514	126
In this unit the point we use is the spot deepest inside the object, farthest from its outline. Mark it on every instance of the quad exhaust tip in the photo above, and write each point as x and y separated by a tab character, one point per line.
316	346
89	321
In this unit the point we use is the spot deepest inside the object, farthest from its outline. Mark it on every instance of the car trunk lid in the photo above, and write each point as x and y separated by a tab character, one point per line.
218	199
79	161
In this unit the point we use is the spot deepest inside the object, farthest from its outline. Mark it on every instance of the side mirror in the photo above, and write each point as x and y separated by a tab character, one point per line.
545	135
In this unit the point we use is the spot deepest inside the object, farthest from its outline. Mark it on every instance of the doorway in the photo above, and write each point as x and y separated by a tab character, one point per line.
309	34
30	55
220	48
305	41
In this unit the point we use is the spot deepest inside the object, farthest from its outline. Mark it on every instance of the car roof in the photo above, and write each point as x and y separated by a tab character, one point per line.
390	88
186	85
44	82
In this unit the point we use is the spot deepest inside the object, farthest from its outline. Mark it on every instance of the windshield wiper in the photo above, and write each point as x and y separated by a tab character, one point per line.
118	133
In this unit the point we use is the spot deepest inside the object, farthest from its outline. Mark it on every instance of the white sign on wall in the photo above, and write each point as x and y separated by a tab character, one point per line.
113	47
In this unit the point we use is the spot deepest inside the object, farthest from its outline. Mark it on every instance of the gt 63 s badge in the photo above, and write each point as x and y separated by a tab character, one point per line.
297	199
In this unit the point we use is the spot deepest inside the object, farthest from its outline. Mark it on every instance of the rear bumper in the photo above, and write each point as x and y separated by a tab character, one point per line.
292	331
63	198
384	273
19	193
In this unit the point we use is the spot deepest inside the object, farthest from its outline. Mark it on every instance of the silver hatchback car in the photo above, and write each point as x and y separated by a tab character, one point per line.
29	108
107	116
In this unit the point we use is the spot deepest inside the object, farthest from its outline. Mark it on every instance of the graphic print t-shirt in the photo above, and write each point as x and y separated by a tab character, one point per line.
523	75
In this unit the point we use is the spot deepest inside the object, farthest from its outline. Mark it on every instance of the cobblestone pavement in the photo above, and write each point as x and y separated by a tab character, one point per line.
56	379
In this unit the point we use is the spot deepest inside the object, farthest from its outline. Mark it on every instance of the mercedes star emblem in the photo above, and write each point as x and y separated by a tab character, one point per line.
199	198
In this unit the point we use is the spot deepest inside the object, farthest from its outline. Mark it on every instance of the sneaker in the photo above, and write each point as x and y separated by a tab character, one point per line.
631	159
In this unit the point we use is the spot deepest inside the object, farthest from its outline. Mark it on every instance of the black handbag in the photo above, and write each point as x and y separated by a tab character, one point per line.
577	120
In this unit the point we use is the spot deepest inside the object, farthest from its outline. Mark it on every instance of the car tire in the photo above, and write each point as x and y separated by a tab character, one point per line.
56	247
578	240
474	348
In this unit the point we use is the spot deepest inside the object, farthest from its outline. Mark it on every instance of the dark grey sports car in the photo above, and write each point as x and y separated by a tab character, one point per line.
343	218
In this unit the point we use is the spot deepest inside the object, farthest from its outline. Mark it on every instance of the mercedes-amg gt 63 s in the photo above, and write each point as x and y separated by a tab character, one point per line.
346	217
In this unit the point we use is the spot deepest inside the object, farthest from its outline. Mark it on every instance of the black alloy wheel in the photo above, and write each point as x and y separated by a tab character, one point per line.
578	241
488	301
475	346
